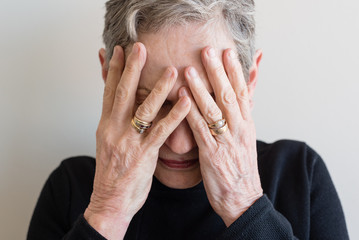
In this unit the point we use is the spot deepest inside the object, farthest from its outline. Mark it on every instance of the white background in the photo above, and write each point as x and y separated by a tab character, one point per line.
51	90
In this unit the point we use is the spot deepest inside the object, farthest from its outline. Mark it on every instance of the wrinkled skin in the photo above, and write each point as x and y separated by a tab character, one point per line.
185	77
228	161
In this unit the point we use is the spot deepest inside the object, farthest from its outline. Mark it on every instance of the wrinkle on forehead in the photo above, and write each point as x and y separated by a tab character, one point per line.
181	46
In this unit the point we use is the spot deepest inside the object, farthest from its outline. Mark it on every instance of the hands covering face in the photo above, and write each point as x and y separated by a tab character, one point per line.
228	161
126	160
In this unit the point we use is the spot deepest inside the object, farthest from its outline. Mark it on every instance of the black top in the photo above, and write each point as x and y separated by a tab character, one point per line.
300	201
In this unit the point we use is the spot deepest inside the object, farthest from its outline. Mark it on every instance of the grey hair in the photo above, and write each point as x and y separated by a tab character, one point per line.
124	19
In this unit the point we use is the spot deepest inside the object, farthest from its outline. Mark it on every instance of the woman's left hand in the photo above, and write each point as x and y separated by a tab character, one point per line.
228	161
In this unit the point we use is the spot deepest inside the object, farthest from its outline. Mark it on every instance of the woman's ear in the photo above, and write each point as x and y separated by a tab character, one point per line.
253	75
104	67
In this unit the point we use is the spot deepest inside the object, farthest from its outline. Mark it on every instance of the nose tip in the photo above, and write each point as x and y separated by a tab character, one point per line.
181	140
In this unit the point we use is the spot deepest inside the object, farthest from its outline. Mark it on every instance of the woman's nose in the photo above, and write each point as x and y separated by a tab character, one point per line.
181	140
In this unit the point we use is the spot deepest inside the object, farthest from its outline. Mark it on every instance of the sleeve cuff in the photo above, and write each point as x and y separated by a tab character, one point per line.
260	221
82	230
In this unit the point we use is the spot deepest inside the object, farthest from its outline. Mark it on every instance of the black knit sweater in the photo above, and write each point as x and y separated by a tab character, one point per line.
300	202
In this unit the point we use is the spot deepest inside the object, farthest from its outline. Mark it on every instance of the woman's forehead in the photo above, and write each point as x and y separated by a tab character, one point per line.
179	47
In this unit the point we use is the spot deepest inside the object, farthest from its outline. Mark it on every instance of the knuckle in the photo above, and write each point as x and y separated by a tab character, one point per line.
202	126
144	110
131	68
161	89
121	94
213	113
107	137
162	128
105	143
108	92
243	95
157	92
247	141
101	128
159	131
175	115
98	133
113	65
219	71
202	92
202	129
229	97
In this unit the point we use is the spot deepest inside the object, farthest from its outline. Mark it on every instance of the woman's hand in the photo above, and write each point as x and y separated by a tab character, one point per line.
126	159
228	161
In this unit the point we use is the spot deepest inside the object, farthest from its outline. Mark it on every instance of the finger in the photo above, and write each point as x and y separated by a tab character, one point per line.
205	102
163	129
235	75
198	124
148	110
114	73
225	96
126	89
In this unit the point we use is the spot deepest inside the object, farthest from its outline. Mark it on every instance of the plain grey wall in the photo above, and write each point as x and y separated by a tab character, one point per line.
51	90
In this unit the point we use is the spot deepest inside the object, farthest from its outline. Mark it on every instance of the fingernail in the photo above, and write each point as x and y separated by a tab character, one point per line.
232	55
168	72
211	53
115	52
183	92
192	72
135	48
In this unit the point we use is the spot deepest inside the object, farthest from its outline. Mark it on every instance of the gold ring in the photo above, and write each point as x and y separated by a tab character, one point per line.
218	124
219	127
219	131
139	125
142	124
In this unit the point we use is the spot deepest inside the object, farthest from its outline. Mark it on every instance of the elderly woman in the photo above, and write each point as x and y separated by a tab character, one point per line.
176	155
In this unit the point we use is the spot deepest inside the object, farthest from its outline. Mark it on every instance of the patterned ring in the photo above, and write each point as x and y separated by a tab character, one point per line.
142	124
139	125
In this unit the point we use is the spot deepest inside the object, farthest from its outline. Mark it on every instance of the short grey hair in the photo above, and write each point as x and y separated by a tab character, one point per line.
124	19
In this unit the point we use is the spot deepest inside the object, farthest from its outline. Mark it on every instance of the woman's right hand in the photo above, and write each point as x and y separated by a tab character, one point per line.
125	159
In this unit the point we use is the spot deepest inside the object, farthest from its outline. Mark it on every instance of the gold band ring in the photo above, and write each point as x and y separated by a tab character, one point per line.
218	124
139	125
218	128
219	131
142	124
